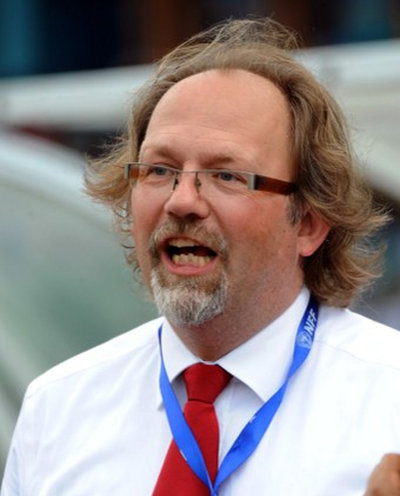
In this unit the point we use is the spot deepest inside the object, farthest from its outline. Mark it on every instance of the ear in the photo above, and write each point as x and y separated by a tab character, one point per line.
312	233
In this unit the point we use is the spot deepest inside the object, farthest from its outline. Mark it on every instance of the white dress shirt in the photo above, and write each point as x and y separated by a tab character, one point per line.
96	424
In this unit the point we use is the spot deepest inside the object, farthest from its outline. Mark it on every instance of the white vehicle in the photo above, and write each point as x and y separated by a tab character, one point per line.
64	284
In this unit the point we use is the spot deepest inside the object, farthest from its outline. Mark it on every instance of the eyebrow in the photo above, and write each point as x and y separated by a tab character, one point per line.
206	158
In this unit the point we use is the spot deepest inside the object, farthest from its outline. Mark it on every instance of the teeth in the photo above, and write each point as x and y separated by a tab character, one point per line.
191	259
192	253
180	242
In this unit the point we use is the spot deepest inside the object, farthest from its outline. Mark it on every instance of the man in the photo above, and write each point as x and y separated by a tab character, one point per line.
237	184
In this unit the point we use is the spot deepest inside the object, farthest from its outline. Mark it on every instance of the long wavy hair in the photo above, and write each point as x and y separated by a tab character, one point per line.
327	174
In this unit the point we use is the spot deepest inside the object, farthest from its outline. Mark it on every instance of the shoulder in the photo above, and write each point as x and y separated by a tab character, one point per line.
359	337
111	355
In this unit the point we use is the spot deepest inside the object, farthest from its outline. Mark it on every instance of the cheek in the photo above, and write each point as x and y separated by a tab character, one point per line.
263	230
134	218
263	219
145	213
142	225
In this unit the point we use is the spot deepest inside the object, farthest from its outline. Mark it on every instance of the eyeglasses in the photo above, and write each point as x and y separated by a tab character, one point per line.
211	181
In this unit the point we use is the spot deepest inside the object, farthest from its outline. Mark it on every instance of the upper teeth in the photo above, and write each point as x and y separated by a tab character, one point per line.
181	242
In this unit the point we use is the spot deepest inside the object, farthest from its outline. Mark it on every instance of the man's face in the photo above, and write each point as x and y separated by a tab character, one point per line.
207	255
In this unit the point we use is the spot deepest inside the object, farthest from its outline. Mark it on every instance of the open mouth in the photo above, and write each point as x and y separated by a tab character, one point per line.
183	251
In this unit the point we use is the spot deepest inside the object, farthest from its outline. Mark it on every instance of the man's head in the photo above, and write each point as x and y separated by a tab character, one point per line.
217	245
318	154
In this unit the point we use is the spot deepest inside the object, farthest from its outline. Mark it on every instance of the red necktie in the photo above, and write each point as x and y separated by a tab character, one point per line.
203	384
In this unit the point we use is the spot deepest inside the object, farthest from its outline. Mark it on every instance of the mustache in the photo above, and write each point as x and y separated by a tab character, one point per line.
173	228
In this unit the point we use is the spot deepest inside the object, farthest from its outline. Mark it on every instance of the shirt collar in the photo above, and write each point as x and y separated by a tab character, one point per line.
261	362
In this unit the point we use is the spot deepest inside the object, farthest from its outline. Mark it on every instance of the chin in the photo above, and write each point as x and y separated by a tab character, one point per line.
190	302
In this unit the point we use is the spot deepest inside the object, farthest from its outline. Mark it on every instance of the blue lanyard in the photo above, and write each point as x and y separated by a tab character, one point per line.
251	435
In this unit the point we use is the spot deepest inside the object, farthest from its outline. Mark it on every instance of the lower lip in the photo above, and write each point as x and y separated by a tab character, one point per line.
188	270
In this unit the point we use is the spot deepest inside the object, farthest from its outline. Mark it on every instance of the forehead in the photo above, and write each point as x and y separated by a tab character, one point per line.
233	108
229	92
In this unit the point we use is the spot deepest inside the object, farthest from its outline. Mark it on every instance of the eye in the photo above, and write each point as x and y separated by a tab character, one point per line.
228	176
153	173
159	170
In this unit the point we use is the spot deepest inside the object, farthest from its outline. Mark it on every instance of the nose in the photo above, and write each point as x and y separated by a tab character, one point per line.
186	198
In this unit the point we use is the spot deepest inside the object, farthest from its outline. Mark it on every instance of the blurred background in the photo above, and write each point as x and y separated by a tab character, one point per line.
68	70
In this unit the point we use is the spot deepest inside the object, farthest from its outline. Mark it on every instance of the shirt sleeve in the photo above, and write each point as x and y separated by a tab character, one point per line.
11	484
20	453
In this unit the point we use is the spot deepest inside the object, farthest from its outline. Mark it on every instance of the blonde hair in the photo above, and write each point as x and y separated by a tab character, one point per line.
328	179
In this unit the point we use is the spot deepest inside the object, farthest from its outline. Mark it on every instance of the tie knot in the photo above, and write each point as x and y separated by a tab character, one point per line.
205	382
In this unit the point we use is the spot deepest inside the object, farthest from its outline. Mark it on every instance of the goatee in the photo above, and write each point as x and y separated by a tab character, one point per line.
188	300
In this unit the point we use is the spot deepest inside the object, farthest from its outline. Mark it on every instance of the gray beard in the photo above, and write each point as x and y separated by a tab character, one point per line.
189	302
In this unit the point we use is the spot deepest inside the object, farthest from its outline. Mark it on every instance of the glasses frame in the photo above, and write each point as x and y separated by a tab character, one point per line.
255	182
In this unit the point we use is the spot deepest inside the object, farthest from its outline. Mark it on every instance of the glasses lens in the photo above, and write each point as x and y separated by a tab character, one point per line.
226	181
153	175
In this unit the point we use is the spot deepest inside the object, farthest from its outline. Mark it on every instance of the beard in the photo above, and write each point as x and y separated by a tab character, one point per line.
194	300
190	302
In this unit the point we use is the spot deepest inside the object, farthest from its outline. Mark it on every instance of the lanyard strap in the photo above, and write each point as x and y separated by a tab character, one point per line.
251	435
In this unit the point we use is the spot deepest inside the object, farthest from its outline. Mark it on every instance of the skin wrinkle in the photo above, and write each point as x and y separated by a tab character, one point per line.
227	156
